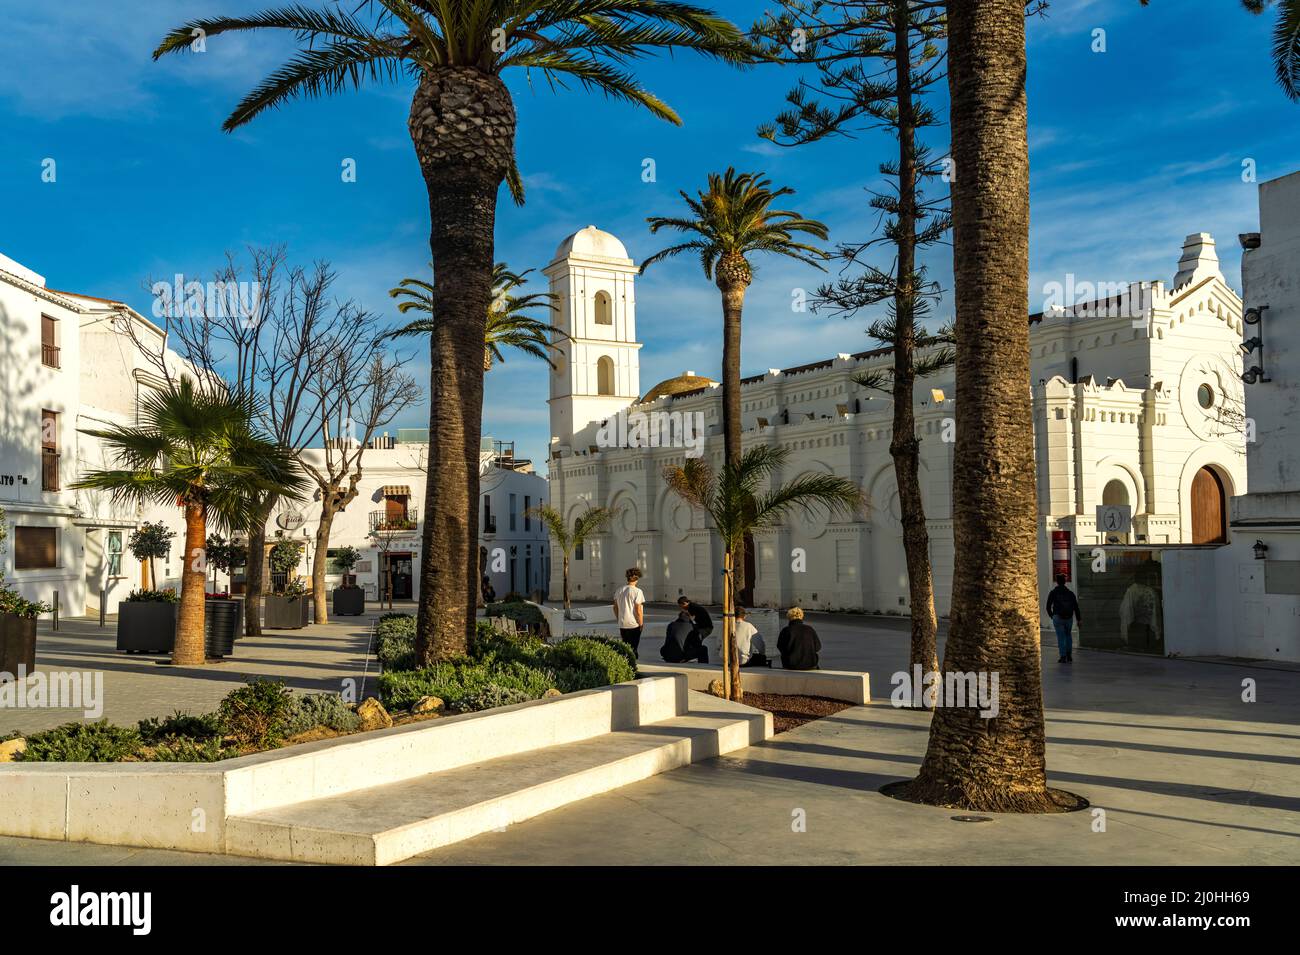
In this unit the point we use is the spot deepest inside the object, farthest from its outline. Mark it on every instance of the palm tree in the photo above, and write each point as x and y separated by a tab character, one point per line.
591	521
730	220
737	504
462	123
975	763
508	323
197	450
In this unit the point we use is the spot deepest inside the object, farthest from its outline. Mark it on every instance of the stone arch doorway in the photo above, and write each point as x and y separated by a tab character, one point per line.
1209	508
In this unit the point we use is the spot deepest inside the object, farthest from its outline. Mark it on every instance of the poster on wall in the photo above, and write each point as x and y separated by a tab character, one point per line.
1121	600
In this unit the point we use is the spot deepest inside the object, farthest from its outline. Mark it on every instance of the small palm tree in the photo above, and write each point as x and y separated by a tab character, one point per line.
731	220
737	504
462	125
200	451
591	521
508	323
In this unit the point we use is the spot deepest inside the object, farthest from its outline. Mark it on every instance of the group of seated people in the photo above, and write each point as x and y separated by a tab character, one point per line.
798	643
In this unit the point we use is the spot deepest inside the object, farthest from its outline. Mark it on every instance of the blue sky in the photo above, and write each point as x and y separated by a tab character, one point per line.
1131	149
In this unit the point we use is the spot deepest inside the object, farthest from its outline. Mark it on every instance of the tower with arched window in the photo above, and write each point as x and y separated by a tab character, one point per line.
597	370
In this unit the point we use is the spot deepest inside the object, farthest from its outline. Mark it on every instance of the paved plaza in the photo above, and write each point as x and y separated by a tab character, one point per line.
1185	771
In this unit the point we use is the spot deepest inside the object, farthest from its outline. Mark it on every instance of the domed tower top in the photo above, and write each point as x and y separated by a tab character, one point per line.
592	243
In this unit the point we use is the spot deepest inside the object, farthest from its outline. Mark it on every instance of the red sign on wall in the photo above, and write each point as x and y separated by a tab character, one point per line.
1061	554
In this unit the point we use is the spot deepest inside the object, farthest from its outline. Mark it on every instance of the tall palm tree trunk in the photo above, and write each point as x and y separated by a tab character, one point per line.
189	647
904	446
462	123
733	276
566	582
993	764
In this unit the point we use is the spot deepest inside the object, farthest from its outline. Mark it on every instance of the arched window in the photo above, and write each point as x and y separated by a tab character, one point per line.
604	309
577	547
605	376
1115	493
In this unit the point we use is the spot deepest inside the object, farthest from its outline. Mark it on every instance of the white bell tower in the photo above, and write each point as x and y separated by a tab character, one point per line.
597	369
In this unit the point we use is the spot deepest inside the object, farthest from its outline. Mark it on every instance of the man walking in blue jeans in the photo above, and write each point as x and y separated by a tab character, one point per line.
1063	608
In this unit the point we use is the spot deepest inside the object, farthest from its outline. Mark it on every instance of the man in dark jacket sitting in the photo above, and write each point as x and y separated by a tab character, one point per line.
682	643
703	622
798	642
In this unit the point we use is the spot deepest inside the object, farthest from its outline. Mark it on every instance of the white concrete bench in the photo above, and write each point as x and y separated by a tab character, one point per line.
848	685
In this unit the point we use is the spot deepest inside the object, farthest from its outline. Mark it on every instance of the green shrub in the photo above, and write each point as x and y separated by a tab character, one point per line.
321	709
459	682
523	614
168	596
492	695
257	715
395	641
180	725
598	656
617	643
185	749
100	742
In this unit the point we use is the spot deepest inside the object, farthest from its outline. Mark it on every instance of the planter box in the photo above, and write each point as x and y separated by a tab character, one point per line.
146	627
222	621
285	613
349	602
17	645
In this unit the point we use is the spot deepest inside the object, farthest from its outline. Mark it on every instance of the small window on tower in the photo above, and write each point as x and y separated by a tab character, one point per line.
604	309
605	376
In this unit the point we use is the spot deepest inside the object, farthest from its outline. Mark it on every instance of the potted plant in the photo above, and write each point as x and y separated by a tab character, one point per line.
349	598
286	606
222	611
146	621
149	542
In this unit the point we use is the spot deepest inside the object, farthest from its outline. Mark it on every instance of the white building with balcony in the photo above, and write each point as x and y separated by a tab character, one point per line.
68	363
384	521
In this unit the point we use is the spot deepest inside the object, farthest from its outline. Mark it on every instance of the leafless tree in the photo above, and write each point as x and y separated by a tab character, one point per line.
266	330
371	390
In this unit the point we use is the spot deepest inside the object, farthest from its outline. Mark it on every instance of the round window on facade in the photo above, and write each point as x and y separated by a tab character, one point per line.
1205	396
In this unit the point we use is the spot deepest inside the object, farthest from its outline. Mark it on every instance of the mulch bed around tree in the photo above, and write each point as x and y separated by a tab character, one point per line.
789	711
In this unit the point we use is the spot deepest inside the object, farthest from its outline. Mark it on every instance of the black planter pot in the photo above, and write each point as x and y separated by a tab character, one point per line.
17	645
284	613
349	602
146	627
221	624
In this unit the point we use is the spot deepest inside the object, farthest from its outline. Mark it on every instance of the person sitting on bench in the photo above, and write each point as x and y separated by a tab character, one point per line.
798	643
682	643
749	642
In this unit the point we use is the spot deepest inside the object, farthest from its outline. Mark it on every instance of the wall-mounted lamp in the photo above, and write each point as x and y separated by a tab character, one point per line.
1260	549
1255	373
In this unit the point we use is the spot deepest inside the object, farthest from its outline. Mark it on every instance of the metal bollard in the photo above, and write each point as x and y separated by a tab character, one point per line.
56	610
101	606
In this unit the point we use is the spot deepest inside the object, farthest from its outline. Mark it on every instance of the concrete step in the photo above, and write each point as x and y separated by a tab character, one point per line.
386	824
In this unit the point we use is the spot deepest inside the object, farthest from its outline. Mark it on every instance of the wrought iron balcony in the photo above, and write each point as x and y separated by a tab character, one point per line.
383	521
50	355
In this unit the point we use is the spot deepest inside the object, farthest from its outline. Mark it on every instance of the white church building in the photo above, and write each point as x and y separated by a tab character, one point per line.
1137	403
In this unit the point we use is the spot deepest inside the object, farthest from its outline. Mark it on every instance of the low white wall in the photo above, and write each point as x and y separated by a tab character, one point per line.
185	805
848	685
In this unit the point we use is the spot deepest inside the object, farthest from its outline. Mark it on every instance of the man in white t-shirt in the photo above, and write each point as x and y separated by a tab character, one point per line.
749	642
629	609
